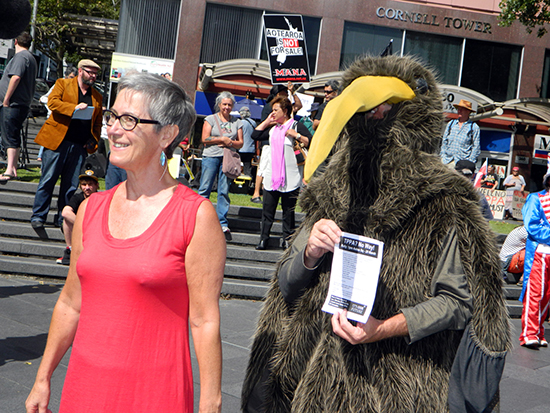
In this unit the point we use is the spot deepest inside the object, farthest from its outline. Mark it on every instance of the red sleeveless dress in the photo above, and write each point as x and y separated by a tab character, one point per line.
131	349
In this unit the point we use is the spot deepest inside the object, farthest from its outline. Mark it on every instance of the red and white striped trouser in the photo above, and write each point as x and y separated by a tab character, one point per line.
535	300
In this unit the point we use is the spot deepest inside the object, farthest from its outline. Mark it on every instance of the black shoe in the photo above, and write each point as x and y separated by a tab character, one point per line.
262	245
37	224
66	258
227	233
284	244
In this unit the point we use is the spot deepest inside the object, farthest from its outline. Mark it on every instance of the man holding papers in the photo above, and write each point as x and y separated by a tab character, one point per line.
384	219
73	129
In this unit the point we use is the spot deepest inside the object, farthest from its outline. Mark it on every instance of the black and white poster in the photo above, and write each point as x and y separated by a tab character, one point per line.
286	48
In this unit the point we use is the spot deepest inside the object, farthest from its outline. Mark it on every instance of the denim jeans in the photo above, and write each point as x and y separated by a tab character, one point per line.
114	175
212	166
66	162
11	122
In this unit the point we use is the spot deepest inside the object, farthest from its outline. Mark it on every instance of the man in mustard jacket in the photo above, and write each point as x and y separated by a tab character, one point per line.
66	136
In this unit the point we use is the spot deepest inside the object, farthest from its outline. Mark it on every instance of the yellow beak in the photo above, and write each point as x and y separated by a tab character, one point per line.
363	94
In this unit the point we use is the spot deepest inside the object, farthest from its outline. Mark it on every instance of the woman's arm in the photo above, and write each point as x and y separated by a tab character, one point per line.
209	140
301	134
205	263
62	327
238	143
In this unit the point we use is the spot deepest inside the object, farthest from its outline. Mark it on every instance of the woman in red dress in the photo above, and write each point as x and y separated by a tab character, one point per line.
147	261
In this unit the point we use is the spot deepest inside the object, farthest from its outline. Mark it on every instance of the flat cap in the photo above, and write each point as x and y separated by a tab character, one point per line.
88	63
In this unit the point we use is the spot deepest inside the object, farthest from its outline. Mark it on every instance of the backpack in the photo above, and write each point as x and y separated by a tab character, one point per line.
308	123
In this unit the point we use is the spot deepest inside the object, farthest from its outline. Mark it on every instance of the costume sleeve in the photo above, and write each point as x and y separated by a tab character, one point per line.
535	221
294	276
476	149
450	307
55	102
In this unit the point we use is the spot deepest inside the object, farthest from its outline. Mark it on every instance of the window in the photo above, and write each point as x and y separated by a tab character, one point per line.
230	33
491	69
139	33
441	53
360	39
545	89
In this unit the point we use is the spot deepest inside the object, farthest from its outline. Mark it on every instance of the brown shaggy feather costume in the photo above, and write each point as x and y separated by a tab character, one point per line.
383	181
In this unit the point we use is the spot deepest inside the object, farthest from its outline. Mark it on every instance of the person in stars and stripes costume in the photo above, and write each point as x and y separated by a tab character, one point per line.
536	275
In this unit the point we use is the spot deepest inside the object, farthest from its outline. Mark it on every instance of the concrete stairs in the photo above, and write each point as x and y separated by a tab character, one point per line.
24	250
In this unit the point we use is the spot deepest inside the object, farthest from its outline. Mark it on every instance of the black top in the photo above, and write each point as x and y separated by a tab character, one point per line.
263	135
80	131
76	200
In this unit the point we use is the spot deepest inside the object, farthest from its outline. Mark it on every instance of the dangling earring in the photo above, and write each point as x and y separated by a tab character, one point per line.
162	159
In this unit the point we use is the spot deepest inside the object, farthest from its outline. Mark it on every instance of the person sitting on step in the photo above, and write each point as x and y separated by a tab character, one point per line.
88	185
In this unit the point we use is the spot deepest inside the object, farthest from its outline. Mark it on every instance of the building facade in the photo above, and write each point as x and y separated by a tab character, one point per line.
505	72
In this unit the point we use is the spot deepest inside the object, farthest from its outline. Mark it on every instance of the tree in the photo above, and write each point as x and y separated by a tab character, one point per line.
53	30
530	13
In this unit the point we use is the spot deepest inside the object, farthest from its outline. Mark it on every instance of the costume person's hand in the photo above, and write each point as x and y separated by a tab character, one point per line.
362	333
322	238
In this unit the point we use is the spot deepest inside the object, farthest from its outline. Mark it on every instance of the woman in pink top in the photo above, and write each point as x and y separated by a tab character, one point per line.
147	261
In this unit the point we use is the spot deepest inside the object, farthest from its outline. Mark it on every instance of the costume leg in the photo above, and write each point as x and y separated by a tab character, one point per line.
536	297
222	206
271	199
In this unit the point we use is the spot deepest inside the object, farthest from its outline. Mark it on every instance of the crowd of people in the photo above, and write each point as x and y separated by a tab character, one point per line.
144	292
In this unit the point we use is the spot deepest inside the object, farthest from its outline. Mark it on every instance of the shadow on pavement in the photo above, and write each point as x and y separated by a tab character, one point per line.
22	348
29	289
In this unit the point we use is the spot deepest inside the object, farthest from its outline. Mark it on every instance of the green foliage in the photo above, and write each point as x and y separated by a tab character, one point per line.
530	13
53	29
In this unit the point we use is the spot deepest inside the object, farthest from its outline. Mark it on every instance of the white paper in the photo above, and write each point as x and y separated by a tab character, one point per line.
84	114
354	276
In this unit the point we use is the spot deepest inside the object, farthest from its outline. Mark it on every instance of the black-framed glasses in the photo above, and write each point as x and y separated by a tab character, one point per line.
91	73
128	122
328	92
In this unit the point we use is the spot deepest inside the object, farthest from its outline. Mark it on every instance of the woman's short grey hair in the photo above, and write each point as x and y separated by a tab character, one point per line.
71	70
334	85
166	102
221	96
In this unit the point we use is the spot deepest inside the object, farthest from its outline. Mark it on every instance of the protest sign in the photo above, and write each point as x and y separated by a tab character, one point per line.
496	200
286	48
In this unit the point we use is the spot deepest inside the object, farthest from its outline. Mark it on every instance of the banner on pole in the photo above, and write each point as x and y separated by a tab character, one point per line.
286	48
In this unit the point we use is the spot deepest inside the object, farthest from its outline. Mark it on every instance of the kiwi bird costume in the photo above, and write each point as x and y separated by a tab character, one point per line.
384	180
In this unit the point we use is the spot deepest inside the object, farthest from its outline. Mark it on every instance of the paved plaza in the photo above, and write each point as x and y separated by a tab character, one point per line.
26	305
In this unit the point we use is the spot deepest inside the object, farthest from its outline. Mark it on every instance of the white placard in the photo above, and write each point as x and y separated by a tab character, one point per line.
354	276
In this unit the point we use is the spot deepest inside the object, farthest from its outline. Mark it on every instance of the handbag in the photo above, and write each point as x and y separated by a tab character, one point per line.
516	263
231	163
299	149
300	152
